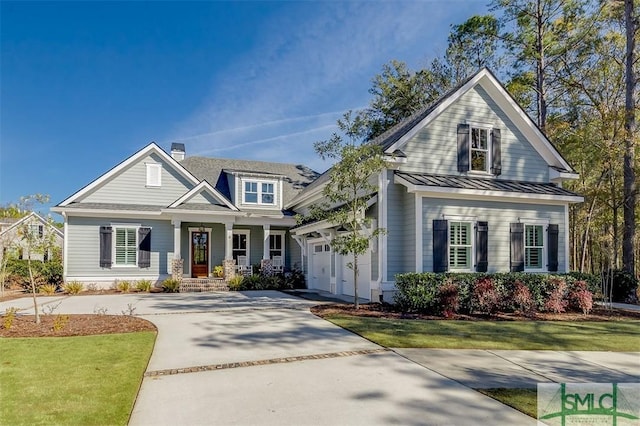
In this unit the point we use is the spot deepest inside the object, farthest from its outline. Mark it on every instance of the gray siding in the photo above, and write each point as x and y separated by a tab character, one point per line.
400	230
293	253
372	213
434	148
129	186
499	216
83	254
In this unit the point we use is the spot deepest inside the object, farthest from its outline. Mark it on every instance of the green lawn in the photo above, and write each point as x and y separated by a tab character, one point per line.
618	336
523	400
86	380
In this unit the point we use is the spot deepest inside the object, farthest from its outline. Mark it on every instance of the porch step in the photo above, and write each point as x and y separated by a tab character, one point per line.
195	285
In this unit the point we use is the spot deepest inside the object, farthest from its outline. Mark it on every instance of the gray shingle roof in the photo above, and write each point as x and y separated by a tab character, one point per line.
212	170
464	182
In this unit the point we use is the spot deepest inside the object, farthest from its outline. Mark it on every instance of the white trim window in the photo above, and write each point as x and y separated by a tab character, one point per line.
480	149
258	192
154	175
240	244
125	246
534	247
460	246
276	244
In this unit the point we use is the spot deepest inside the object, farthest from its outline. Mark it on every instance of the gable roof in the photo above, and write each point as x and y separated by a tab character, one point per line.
205	187
295	176
149	149
394	138
27	218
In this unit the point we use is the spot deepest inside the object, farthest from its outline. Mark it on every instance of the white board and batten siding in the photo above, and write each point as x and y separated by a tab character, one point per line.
129	186
83	256
434	148
499	216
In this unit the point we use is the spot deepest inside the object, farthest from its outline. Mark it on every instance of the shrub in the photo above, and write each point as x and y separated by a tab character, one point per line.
9	317
252	282
486	298
92	287
448	298
235	283
47	289
60	322
624	287
123	286
580	298
417	292
218	271
294	279
143	285
556	299
521	298
52	271
171	285
73	287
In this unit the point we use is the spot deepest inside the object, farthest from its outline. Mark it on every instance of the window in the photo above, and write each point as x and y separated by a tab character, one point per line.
260	193
240	244
36	230
126	247
267	193
154	174
479	149
460	245
276	245
533	247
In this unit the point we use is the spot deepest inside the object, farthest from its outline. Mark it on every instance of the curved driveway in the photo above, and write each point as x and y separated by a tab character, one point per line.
262	358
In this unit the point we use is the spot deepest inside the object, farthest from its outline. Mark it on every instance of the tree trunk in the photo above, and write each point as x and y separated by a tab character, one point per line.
630	195
540	69
355	281
33	289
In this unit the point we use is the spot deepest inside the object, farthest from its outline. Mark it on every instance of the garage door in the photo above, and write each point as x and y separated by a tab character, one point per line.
364	276
321	267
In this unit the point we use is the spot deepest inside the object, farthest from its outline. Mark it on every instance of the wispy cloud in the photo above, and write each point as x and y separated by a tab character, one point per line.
319	56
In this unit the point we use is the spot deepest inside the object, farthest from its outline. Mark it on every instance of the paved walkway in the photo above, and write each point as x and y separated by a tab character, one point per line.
263	358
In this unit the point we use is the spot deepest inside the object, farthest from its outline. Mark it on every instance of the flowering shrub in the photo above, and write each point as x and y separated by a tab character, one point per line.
486	298
556	299
580	297
521	298
448	298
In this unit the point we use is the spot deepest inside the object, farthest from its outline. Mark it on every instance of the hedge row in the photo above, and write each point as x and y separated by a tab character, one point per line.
448	293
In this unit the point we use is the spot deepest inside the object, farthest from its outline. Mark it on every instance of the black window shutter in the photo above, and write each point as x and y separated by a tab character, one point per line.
482	246
463	147
517	247
144	247
105	246
552	253
496	152
440	245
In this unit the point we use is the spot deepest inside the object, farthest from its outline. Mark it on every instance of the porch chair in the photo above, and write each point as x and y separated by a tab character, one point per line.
276	263
243	266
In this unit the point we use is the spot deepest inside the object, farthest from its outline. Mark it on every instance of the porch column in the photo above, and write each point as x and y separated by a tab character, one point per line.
176	238
265	246
228	241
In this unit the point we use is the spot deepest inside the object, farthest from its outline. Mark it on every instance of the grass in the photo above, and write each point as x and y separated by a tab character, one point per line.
84	380
523	400
617	336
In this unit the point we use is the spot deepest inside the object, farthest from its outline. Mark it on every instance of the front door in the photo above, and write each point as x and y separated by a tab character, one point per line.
199	254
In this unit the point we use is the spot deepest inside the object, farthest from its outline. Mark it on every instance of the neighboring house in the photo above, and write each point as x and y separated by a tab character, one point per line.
11	240
157	215
472	185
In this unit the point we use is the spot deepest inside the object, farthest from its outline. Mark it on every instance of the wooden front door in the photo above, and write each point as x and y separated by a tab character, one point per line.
199	254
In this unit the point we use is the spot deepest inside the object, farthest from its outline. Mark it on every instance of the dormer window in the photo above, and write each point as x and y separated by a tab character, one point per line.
259	192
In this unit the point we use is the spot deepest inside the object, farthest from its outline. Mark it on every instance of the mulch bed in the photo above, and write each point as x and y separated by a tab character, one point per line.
377	310
73	325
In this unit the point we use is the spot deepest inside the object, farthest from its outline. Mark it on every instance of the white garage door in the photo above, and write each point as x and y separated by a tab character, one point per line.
364	276
321	267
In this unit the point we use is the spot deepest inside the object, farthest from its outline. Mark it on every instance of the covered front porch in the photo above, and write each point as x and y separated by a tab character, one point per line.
207	249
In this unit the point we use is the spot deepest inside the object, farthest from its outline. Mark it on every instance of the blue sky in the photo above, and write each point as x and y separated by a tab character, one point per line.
84	85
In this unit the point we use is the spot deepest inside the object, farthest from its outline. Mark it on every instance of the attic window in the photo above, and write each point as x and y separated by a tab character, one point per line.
154	174
479	149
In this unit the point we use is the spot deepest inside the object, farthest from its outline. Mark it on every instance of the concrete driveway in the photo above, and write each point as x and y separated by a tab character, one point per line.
263	358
